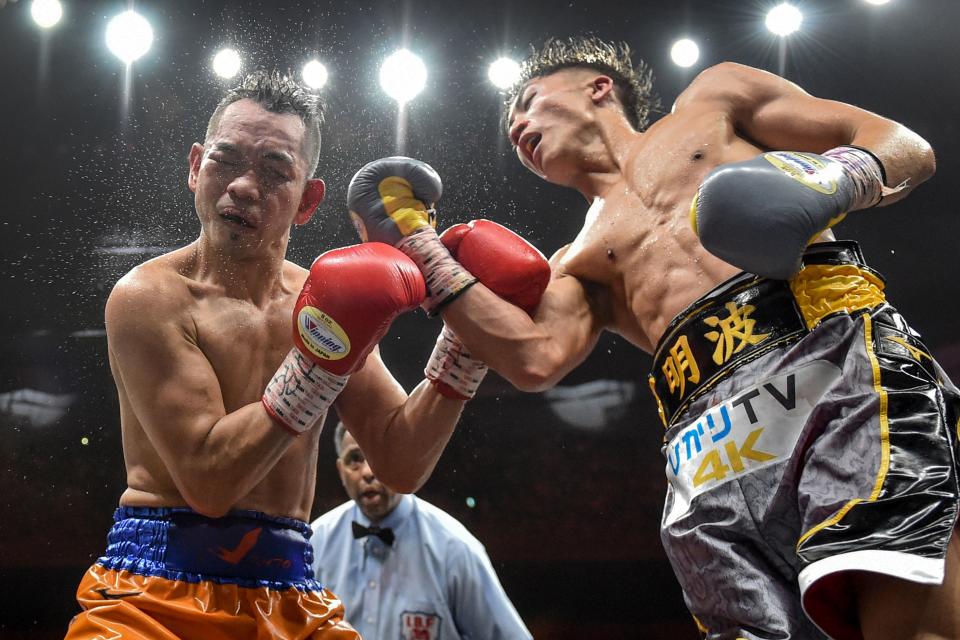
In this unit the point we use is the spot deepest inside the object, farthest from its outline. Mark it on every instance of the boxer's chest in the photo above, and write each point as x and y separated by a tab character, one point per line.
637	241
244	345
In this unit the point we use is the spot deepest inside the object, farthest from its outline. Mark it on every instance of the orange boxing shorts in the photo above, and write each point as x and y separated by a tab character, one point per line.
173	573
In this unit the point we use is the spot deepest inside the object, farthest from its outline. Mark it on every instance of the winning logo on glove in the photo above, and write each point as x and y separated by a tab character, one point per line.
322	335
807	169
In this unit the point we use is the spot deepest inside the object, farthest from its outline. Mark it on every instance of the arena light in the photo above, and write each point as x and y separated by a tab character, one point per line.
403	75
685	53
877	2
503	72
129	36
315	74
227	63
784	19
46	13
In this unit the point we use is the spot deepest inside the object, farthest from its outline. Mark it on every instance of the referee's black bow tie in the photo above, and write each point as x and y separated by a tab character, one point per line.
384	533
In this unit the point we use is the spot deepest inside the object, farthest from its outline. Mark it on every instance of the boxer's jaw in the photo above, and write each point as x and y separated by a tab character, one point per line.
551	122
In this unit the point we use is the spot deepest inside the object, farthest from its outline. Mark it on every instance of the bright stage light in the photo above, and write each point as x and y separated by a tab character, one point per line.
685	52
784	19
878	2
46	13
315	74
403	75
129	36
227	63
503	72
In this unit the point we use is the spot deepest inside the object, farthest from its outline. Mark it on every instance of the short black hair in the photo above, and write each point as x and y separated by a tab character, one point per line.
633	82
278	93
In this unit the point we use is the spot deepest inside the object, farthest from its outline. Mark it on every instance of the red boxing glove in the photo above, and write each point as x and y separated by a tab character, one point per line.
504	262
346	306
349	301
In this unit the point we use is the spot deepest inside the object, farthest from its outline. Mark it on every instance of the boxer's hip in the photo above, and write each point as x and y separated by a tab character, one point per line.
803	421
246	548
749	316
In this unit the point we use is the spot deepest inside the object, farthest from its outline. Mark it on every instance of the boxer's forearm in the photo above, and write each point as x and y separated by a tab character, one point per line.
907	158
236	454
533	354
405	452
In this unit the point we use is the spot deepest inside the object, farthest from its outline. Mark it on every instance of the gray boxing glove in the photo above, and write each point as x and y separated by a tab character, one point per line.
760	214
391	201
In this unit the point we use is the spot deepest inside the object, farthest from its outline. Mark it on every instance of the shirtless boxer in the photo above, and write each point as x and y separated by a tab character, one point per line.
221	419
811	439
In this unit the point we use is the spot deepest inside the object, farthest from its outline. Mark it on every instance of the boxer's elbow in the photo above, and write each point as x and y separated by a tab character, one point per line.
402	478
927	161
208	503
910	161
402	485
539	371
209	499
530	379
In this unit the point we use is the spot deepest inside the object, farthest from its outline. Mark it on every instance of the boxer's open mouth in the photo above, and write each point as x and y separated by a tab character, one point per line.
532	143
237	219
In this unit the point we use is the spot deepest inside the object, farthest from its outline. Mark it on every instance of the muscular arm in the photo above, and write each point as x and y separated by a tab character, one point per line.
777	114
532	353
402	436
214	457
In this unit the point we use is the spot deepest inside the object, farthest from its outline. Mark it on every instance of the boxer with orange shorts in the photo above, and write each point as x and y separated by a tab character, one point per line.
221	411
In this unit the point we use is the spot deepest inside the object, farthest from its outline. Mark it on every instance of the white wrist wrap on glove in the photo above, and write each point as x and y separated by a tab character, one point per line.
300	392
451	364
865	173
445	277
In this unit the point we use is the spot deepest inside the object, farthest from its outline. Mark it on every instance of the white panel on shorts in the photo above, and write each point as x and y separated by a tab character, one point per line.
757	428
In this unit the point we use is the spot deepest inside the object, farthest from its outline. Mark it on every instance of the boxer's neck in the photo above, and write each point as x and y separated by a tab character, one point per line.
249	275
605	158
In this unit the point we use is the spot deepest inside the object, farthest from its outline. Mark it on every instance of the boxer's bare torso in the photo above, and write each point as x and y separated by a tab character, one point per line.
195	335
637	262
242	342
637	242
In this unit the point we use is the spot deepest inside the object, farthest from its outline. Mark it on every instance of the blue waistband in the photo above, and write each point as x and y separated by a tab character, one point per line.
246	548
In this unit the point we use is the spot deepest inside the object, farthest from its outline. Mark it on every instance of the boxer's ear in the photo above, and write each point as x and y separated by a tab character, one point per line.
310	200
601	87
193	159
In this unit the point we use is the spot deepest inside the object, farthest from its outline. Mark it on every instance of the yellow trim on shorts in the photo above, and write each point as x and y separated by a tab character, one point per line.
821	290
653	390
884	436
700	627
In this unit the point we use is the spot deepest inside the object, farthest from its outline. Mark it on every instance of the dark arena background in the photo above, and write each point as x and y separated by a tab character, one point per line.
564	487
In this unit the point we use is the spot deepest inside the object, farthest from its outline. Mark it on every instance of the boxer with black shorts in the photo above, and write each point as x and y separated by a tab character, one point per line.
811	439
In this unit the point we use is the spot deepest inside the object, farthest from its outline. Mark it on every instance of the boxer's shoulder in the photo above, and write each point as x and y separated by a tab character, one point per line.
153	292
726	83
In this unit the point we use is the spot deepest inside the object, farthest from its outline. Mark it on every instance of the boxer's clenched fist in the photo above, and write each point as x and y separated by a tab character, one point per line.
347	304
503	261
391	200
506	264
760	214
393	197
